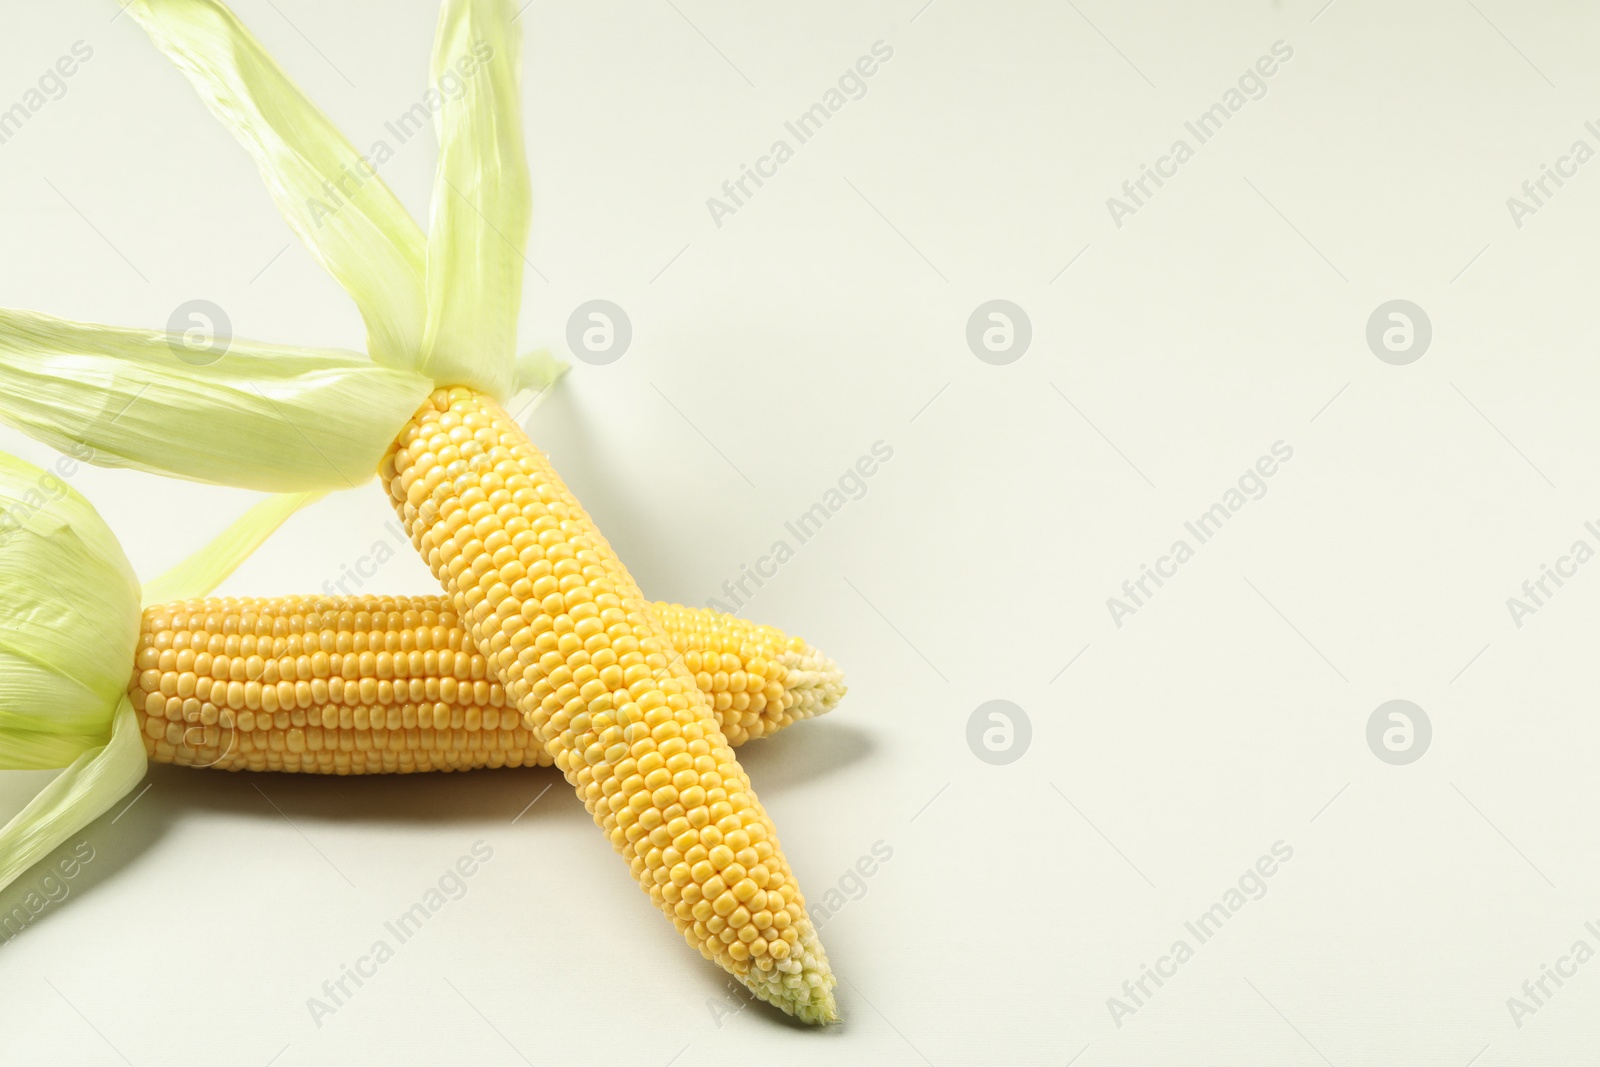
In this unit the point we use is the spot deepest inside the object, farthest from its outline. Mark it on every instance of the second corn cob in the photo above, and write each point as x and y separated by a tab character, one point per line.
375	685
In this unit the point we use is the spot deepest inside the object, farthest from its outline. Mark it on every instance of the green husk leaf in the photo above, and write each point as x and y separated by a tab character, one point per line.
202	572
267	417
482	200
69	617
32	750
97	779
537	373
332	198
69	631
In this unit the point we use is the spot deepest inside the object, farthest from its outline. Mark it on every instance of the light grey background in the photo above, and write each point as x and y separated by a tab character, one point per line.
1167	754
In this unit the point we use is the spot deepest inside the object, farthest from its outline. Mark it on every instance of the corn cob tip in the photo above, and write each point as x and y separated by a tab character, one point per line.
801	984
812	680
758	678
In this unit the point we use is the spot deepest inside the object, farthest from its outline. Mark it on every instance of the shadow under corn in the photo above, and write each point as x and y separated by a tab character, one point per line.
123	835
805	753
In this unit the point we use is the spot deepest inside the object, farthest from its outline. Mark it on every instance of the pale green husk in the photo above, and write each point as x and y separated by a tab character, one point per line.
69	611
69	628
439	312
262	416
76	797
537	373
446	305
332	198
481	199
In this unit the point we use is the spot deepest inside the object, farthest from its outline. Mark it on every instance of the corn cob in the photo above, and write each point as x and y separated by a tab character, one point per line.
590	665
384	685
